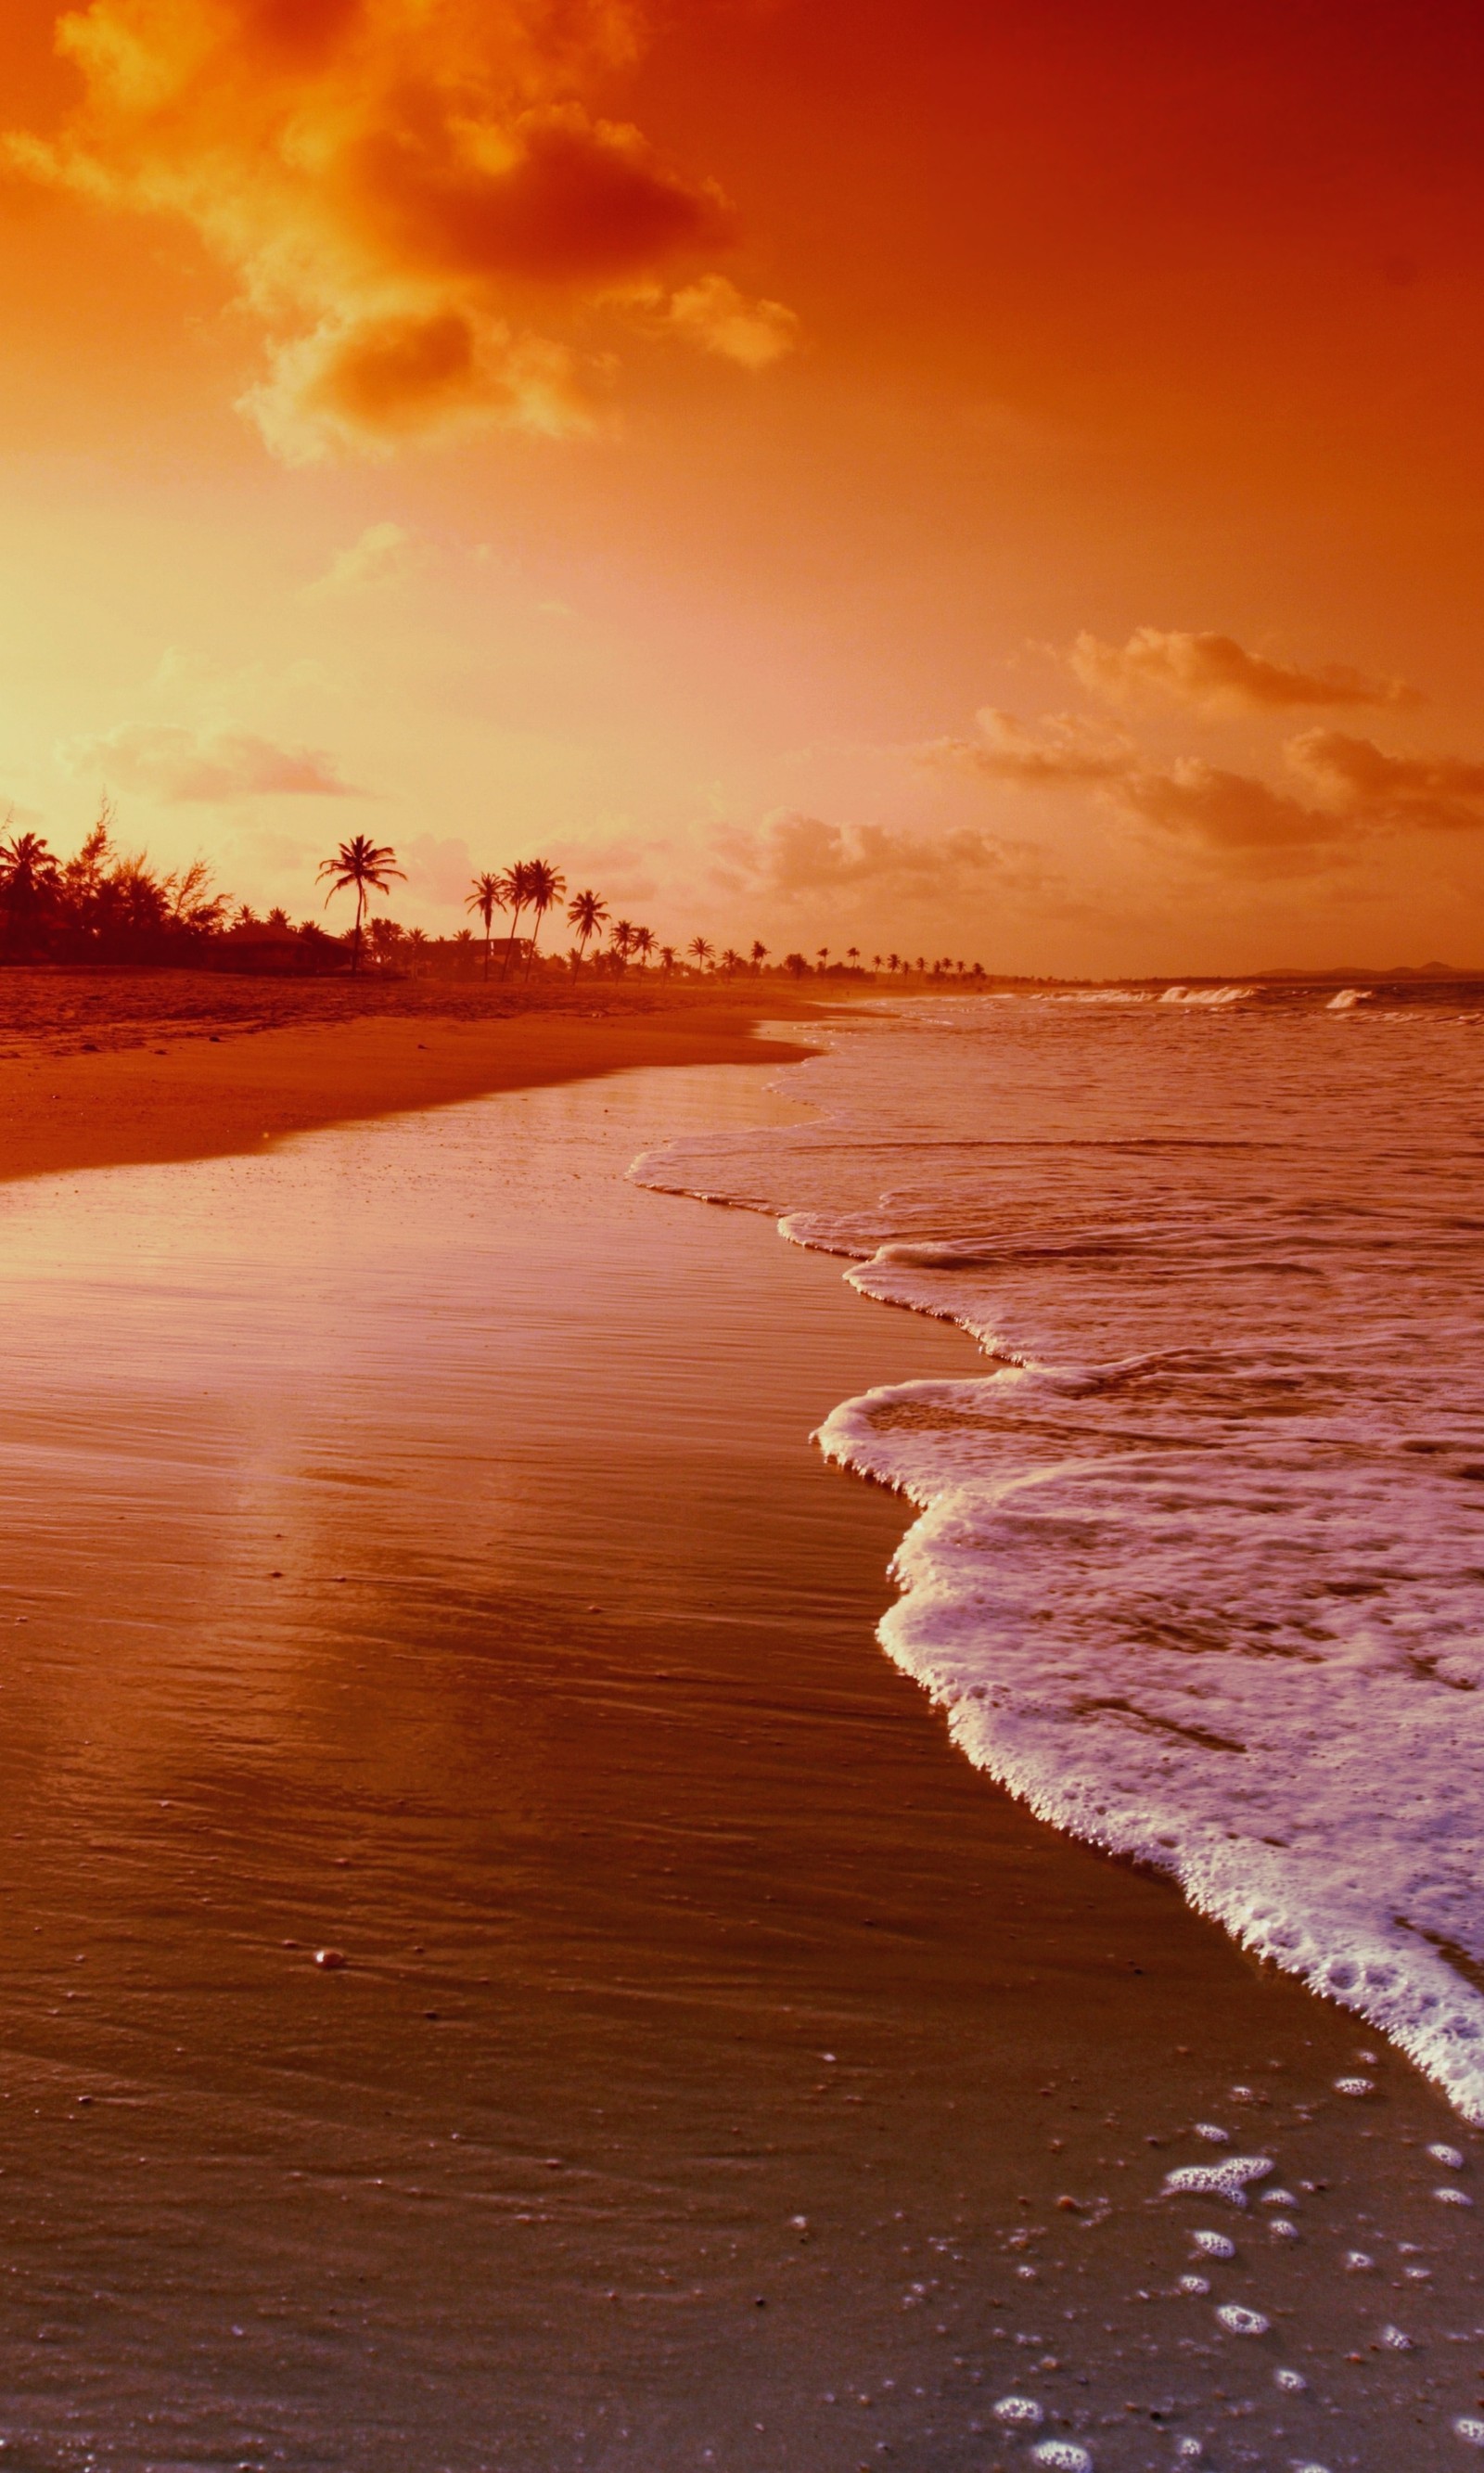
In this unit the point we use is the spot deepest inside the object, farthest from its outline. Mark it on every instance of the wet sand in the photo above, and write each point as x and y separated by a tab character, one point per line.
412	1545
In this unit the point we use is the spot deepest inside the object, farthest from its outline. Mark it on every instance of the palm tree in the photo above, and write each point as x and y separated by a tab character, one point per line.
759	954
700	951
894	963
876	964
853	954
545	886
515	888
823	952
643	945
732	962
418	939
667	959
368	867
620	939
28	872
585	912
486	898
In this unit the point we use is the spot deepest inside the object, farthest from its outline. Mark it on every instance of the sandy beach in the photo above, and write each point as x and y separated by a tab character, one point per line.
105	1068
413	1548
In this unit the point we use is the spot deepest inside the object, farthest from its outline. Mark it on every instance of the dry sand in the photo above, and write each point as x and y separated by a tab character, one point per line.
113	1069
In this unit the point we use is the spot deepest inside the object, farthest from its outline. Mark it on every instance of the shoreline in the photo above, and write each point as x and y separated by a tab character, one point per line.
416	1549
149	1087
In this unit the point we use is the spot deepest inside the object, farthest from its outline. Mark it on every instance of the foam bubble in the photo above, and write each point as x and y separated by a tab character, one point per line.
1227	2180
1062	2456
1240	2322
1019	2412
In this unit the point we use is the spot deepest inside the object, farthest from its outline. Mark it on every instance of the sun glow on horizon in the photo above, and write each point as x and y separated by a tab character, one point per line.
960	486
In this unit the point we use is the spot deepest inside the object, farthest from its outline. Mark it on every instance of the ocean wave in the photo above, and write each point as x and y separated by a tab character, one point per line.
1198	1569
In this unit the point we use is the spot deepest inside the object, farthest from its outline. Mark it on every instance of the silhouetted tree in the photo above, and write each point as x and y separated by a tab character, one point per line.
586	913
545	886
29	877
365	867
486	898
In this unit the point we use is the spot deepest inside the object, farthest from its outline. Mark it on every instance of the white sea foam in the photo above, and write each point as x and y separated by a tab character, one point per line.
1199	1570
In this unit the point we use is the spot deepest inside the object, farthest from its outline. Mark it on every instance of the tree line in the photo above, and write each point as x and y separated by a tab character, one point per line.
107	905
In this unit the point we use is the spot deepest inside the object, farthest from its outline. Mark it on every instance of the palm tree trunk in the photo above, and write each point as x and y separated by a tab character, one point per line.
531	956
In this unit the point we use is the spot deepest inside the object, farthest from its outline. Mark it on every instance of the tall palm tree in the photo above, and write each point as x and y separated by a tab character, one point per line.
894	963
516	884
367	867
876	964
700	951
732	962
418	939
667	959
545	886
823	955
486	898
644	942
585	912
853	954
620	937
759	954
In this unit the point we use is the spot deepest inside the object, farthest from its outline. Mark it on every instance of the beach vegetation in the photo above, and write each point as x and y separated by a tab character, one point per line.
585	912
363	867
487	896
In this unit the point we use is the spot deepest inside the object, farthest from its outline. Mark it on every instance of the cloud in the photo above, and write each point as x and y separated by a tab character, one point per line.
791	856
1217	673
1349	792
409	199
441	872
179	766
1238	817
1063	749
714	314
383	553
1429	793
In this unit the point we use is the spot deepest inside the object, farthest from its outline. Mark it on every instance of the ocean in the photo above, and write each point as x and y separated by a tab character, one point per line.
1199	1565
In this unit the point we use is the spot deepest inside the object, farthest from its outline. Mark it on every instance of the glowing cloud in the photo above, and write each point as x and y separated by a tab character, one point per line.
1062	749
1217	673
399	190
791	856
383	553
179	766
715	315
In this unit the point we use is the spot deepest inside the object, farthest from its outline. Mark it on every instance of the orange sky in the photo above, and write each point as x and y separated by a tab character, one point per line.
972	480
